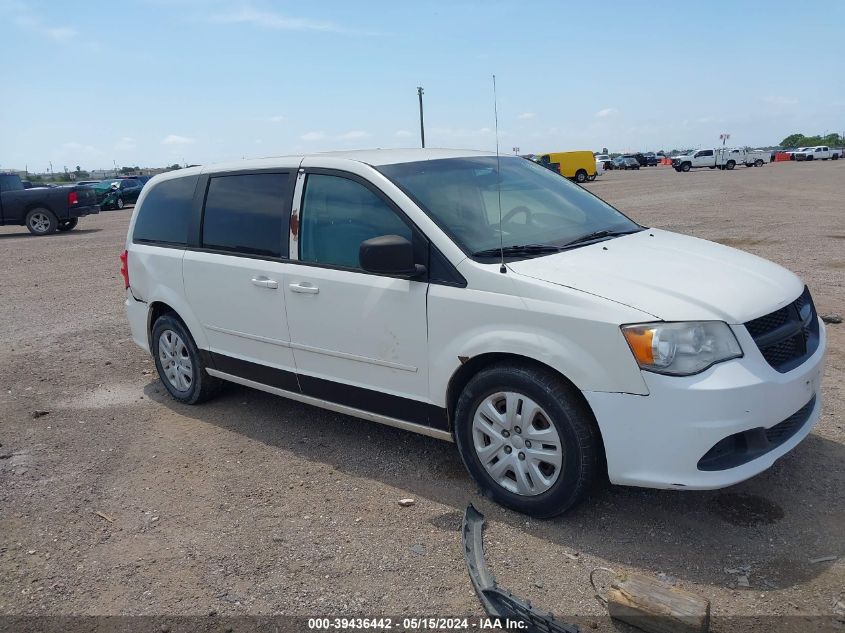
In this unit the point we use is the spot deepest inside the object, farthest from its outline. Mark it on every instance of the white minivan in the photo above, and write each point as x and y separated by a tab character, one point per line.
481	300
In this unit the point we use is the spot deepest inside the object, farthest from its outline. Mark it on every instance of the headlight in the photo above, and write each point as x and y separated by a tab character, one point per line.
681	349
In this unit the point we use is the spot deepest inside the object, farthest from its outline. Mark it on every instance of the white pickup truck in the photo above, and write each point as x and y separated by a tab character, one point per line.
819	152
723	158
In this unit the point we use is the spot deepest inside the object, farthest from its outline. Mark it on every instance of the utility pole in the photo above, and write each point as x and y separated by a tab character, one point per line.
422	125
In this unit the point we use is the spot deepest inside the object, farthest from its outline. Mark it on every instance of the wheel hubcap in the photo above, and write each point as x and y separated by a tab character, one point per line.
516	443
175	360
39	222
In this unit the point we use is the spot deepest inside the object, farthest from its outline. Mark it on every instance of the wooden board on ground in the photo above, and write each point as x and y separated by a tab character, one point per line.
656	607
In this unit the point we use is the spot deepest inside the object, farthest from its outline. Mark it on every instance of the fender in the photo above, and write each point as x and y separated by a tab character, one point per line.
592	354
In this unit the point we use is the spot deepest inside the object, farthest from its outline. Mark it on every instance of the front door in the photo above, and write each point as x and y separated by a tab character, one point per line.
359	339
234	279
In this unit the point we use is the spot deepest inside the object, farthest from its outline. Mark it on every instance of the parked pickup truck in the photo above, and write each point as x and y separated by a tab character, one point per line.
819	152
712	158
44	210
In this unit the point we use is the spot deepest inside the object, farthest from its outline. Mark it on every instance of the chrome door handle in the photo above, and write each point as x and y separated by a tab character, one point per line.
305	288
265	282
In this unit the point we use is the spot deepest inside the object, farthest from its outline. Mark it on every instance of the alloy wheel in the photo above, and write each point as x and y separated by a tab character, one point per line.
39	222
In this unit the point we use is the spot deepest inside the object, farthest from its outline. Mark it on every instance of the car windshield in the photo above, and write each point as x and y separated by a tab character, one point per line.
538	206
105	184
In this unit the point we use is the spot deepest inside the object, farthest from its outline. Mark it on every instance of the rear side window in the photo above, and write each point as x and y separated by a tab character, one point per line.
245	214
166	211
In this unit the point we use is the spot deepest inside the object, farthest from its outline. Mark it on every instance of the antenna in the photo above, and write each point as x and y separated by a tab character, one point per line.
502	268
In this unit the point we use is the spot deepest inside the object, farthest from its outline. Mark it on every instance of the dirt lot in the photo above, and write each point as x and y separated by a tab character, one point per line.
120	501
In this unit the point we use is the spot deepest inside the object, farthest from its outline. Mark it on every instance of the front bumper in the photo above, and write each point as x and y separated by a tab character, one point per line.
78	212
657	441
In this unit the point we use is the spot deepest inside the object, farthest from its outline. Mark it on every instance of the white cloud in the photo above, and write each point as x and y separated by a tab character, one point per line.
175	139
353	135
402	134
313	136
271	20
606	112
125	143
30	23
780	100
526	115
80	148
278	118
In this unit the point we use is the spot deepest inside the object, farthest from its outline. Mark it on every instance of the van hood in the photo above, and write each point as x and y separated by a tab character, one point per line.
671	276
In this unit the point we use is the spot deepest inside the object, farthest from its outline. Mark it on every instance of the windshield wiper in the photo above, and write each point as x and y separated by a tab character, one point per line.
598	235
525	249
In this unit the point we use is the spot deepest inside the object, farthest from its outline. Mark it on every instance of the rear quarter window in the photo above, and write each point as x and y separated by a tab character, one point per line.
165	213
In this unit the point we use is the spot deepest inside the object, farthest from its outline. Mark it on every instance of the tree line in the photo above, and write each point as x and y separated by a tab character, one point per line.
799	140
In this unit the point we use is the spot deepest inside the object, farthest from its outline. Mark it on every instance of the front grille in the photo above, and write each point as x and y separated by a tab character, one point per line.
740	448
788	336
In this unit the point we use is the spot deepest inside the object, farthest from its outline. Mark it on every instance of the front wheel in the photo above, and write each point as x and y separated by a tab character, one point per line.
178	362
119	203
527	439
580	176
685	167
68	225
41	221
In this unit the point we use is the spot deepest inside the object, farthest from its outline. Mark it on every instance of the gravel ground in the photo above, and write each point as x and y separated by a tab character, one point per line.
121	501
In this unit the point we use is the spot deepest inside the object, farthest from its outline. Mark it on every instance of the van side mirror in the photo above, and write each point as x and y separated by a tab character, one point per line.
389	255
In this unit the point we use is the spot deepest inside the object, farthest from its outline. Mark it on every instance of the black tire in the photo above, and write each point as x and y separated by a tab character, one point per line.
202	385
686	167
574	422
119	204
41	221
731	164
592	178
712	167
834	157
580	176
758	162
68	225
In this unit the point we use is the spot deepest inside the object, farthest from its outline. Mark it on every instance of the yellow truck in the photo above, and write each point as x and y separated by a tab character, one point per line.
579	166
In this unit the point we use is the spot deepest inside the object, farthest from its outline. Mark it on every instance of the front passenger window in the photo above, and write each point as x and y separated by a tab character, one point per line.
337	215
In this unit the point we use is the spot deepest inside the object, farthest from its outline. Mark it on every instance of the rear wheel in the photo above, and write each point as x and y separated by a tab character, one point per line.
178	362
527	439
580	176
41	221
68	225
731	164
758	162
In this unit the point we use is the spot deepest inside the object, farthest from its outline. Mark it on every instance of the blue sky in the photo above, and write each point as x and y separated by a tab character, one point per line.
152	82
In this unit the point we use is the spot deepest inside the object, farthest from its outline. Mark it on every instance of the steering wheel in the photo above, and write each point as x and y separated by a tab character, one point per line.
529	214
